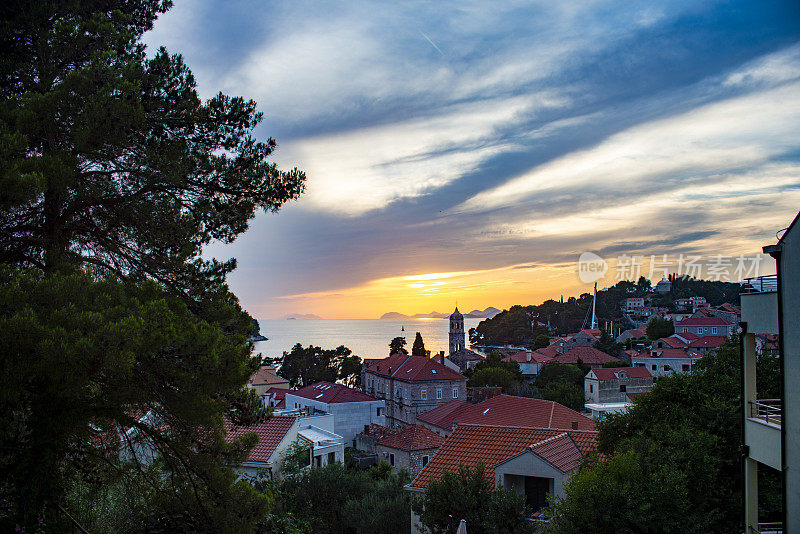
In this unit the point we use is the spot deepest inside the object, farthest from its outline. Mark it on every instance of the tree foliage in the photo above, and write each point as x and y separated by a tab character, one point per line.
467	494
682	440
492	376
110	157
303	366
658	328
566	394
397	346
418	349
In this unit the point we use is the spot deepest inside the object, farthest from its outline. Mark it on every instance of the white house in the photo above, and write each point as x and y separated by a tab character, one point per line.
662	362
705	326
352	410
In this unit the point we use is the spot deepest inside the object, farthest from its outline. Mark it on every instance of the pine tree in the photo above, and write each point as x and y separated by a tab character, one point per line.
418	349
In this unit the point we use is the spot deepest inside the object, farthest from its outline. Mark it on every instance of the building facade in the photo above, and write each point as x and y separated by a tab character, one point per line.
611	385
458	338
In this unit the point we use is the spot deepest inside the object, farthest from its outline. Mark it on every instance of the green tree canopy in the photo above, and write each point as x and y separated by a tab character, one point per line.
492	376
303	366
566	394
397	346
418	349
468	495
658	328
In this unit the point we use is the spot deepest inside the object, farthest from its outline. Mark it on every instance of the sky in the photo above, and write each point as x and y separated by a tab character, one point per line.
470	152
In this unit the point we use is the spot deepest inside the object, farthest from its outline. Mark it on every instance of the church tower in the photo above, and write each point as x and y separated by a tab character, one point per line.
457	336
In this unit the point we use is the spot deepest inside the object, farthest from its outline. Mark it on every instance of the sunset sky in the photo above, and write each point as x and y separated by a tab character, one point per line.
471	152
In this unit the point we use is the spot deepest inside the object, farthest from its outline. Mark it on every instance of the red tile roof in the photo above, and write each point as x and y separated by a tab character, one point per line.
506	410
522	356
673	342
471	444
547	352
588	355
637	332
270	433
444	415
711	342
635	396
686	335
705	321
613	372
413	438
266	375
560	451
413	368
331	393
727	306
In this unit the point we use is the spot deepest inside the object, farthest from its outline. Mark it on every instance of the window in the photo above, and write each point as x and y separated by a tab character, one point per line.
623	388
424	461
667	368
655	367
455	393
713	329
438	393
378	413
391	460
591	388
685	367
423	394
331	457
387	388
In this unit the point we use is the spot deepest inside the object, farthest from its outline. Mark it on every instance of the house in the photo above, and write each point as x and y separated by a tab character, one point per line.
506	410
771	437
410	449
275	397
631	303
633	333
729	312
315	429
412	385
707	344
534	462
683	303
662	362
671	342
465	359
607	390
351	409
705	326
663	286
530	362
275	435
698	303
265	378
584	338
587	355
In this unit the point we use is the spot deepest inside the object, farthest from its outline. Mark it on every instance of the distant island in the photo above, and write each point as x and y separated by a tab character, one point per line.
303	316
488	313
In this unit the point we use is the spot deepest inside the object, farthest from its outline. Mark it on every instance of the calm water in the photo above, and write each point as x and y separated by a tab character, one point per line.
368	338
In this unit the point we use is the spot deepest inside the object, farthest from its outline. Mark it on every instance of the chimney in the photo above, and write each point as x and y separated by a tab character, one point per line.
574	425
528	356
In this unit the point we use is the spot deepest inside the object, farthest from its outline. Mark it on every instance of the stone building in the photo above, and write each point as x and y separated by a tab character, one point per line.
614	384
458	339
412	385
410	449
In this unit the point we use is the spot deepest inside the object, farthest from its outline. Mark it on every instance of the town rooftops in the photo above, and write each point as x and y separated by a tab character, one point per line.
588	355
522	356
708	342
413	368
330	393
413	438
672	342
614	373
547	352
270	433
444	415
705	321
636	332
506	410
728	307
266	375
470	444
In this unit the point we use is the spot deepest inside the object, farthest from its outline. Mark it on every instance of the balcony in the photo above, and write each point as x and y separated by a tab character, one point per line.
760	304
762	431
766	528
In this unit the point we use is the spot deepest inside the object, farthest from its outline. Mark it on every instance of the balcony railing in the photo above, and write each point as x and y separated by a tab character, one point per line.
760	284
768	410
766	528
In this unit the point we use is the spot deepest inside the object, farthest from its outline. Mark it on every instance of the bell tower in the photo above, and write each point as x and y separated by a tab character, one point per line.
457	336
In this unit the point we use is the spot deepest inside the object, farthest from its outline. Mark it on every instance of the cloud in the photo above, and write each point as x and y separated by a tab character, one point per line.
725	135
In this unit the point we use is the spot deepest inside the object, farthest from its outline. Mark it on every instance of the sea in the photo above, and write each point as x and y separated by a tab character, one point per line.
367	338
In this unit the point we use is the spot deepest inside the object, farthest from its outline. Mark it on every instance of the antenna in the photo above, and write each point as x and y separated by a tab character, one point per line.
594	301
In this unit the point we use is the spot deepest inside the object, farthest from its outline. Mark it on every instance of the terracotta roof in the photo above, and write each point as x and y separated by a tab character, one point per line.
522	356
686	335
708	342
635	396
560	451
636	332
266	375
270	433
588	355
413	368
331	393
548	352
469	355
506	410
413	438
595	333
471	444
705	321
279	395
613	372
728	307
443	416
672	342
